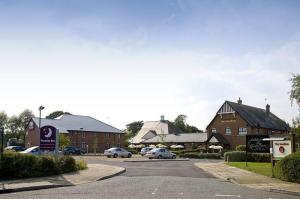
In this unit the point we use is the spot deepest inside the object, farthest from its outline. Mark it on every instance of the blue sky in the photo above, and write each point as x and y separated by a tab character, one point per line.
127	60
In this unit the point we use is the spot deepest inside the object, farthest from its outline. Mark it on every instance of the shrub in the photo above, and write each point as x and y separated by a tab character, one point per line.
80	165
288	168
240	156
67	164
17	165
133	151
240	148
201	155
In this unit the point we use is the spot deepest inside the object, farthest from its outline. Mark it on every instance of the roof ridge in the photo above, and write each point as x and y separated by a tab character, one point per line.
246	105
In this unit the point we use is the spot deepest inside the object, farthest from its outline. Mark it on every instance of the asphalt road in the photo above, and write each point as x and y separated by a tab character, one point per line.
174	180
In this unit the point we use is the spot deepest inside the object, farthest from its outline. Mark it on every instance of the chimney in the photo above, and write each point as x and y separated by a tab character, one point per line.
239	101
267	108
162	118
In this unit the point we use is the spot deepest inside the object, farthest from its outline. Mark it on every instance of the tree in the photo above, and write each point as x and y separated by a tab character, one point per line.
180	122
295	91
134	127
3	119
56	114
13	127
64	140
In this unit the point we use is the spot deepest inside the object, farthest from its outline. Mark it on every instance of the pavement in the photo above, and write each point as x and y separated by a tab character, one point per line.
94	172
249	179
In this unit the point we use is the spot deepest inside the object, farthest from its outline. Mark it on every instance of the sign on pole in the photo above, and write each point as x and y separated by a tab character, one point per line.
255	144
281	149
48	138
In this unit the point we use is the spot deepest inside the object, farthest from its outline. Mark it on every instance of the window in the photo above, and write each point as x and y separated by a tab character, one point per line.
119	136
242	131
107	135
228	131
83	134
119	145
83	145
107	145
213	130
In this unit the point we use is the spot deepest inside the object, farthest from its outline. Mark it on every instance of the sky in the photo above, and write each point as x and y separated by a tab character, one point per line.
128	60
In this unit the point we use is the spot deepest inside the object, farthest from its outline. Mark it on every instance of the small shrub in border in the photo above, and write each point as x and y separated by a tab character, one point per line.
288	168
240	156
240	148
201	155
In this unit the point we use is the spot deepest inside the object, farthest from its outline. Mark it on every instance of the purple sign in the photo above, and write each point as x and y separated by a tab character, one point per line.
48	138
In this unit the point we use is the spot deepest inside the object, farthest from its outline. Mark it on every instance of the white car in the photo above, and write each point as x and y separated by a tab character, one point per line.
117	152
32	150
145	150
160	153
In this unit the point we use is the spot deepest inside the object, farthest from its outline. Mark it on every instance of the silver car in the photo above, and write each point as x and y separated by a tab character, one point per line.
160	153
145	150
117	152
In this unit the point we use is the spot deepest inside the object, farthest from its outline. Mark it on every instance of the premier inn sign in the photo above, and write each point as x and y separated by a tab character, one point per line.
255	144
48	138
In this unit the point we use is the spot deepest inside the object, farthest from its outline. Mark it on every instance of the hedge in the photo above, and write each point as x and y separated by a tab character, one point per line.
17	165
288	168
240	148
240	156
201	155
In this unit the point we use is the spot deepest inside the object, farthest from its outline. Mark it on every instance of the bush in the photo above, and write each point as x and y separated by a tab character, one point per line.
240	156
288	168
133	151
17	165
80	165
201	155
240	148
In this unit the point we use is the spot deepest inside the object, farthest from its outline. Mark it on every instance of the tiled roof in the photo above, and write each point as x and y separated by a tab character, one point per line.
78	123
178	138
219	137
257	117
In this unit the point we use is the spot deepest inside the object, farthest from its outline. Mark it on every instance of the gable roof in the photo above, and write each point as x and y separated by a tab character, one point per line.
67	123
257	117
179	138
219	137
159	127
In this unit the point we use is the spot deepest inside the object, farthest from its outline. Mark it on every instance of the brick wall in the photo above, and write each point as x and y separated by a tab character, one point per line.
91	141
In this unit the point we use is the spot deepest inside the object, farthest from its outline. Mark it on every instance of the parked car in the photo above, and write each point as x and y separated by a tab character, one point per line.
145	150
160	153
32	150
35	151
14	148
117	152
71	150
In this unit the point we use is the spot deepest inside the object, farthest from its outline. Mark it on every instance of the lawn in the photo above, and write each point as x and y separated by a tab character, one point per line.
257	167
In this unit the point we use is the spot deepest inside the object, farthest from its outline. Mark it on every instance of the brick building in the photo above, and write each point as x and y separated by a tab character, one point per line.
235	120
84	132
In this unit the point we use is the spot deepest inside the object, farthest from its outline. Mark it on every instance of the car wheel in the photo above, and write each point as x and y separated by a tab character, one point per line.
174	157
108	156
150	158
115	155
159	157
129	155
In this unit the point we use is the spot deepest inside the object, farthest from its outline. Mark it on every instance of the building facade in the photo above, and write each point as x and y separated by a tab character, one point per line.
233	121
84	132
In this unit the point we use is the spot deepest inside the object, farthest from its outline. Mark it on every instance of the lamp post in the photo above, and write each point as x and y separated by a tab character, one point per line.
81	129
40	121
2	139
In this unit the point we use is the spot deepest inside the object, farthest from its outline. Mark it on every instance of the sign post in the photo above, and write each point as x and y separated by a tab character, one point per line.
255	144
48	138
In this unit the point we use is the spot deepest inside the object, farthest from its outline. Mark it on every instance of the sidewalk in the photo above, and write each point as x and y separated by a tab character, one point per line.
249	179
94	172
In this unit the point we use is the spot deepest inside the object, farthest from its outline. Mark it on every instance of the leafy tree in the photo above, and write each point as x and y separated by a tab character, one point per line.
3	119
64	140
56	114
134	127
295	91
180	122
14	128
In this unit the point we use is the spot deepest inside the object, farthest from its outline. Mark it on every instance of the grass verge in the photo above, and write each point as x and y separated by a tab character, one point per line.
257	167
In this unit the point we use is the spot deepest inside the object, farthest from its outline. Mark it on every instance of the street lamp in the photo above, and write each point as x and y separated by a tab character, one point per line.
40	121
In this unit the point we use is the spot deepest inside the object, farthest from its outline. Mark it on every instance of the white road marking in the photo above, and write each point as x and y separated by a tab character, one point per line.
227	195
154	192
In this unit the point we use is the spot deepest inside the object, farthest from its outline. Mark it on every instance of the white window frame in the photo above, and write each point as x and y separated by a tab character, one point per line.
228	132
242	131
83	145
214	130
83	135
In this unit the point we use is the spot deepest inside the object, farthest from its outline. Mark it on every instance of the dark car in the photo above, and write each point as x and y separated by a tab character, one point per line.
15	148
71	150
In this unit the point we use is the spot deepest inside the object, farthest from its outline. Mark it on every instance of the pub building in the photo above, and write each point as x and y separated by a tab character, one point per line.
233	121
